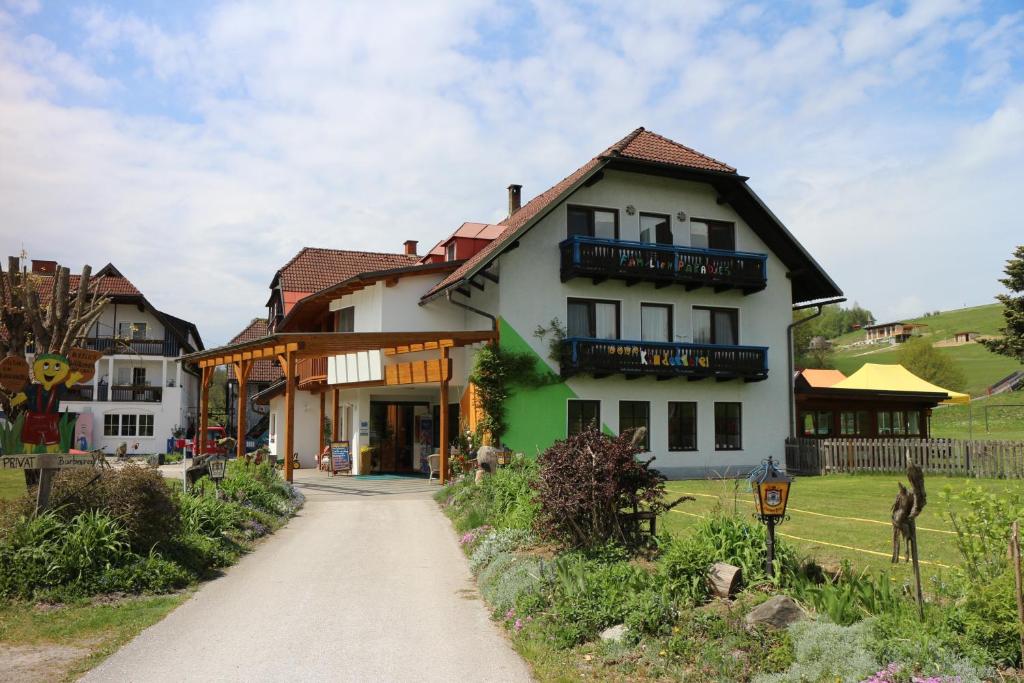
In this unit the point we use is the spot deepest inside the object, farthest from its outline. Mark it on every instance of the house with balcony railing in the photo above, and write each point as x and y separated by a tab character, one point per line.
139	395
651	287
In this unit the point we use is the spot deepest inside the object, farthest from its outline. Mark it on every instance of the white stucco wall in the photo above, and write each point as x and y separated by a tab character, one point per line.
113	314
531	293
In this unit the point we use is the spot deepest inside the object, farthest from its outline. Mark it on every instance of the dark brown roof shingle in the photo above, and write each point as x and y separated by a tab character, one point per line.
314	269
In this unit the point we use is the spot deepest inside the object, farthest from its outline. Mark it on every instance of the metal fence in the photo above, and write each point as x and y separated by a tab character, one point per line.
998	459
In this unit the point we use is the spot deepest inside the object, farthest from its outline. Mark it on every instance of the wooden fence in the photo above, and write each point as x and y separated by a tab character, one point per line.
997	459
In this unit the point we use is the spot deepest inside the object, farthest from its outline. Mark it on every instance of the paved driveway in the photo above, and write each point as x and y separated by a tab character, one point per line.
367	583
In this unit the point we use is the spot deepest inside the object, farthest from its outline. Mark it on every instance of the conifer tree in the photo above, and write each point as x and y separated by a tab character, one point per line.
1012	342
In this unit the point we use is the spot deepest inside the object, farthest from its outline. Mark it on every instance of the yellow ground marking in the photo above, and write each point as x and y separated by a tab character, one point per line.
833	545
822	514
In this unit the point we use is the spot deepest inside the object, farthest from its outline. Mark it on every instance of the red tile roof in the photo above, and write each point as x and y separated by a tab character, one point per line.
106	285
262	370
313	269
640	144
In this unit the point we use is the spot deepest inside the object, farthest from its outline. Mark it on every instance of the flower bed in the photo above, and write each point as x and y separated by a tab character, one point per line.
580	606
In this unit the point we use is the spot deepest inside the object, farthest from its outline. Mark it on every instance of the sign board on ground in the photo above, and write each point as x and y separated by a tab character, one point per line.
341	456
47	460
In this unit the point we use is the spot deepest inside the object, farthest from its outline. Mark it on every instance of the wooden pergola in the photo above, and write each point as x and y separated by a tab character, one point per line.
289	348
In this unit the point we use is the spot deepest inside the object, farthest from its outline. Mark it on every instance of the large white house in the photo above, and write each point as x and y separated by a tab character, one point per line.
671	281
140	395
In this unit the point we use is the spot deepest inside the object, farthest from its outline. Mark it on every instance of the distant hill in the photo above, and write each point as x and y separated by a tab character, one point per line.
981	367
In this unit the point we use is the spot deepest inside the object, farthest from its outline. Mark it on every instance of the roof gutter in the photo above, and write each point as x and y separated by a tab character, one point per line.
789	353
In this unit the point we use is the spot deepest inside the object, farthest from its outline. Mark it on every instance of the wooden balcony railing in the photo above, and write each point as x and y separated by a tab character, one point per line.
665	360
136	392
311	371
143	347
664	264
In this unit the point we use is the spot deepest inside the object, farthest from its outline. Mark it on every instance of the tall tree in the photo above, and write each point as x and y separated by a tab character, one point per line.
1012	342
931	364
52	316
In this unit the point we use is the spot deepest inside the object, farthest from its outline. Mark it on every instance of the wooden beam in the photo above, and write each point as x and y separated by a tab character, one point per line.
204	409
336	416
323	417
443	427
419	371
476	284
242	370
289	413
489	275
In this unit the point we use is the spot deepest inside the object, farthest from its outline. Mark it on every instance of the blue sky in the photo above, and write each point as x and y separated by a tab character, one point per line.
199	145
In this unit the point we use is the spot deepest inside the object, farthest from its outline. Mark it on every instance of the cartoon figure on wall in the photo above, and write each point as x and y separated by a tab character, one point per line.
54	375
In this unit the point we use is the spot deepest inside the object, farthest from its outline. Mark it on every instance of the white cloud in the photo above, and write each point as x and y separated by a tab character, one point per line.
364	124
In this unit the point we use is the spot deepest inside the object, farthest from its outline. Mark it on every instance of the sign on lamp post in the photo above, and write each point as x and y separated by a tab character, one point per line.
218	466
771	494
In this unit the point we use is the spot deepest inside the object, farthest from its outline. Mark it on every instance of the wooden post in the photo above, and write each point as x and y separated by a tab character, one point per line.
242	370
443	426
288	364
323	415
47	471
336	419
204	409
1015	554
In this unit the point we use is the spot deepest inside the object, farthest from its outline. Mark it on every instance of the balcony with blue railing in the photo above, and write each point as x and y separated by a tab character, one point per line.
663	360
663	264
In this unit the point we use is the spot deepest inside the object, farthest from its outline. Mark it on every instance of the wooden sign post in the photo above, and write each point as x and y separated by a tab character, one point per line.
48	465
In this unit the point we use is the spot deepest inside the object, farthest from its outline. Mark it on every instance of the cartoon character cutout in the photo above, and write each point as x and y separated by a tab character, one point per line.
54	377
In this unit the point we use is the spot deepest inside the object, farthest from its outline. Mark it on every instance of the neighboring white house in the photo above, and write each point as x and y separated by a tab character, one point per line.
672	282
140	395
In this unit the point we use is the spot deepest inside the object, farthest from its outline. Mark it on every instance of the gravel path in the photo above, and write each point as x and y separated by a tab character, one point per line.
366	584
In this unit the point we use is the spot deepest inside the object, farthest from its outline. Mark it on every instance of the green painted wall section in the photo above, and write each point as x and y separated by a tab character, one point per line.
536	416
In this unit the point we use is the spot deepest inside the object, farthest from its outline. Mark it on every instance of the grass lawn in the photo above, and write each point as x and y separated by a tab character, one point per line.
1005	421
828	513
69	640
12	484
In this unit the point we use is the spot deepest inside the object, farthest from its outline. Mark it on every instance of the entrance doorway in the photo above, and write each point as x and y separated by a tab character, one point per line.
393	435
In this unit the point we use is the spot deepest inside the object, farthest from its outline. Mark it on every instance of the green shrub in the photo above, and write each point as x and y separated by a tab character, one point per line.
982	522
936	647
138	497
258	486
497	542
723	538
652	611
208	516
591	595
515	583
151	574
849	597
827	652
200	555
513	503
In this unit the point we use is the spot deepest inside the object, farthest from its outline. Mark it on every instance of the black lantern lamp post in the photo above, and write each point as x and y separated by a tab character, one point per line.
771	493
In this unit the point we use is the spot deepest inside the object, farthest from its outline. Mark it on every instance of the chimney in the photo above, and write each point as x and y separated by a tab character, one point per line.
44	267
515	198
410	247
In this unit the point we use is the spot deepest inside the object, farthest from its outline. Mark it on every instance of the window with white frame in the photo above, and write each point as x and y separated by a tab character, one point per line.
146	423
115	424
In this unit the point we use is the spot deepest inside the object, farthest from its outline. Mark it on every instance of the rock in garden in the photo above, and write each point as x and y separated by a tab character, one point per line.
777	612
614	634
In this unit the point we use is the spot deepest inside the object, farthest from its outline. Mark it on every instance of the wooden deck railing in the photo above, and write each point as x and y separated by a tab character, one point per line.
603	357
311	371
999	459
599	259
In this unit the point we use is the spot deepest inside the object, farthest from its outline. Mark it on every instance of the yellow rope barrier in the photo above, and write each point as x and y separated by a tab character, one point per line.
822	514
834	545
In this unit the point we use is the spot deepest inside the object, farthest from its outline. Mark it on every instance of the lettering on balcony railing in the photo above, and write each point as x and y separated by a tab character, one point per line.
603	357
662	263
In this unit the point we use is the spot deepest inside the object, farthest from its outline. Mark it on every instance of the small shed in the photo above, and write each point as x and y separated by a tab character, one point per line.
964	337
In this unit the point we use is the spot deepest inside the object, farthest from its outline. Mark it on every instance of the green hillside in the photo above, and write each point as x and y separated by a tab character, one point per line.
981	367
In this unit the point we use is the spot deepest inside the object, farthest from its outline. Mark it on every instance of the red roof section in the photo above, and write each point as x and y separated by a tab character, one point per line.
641	144
313	269
106	285
262	370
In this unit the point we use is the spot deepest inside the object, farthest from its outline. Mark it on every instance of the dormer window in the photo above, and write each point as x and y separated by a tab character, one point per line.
449	252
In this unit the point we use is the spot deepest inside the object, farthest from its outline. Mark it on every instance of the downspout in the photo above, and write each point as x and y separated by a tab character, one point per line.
789	354
460	304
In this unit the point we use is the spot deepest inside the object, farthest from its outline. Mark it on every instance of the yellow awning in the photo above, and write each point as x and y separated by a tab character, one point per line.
878	377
